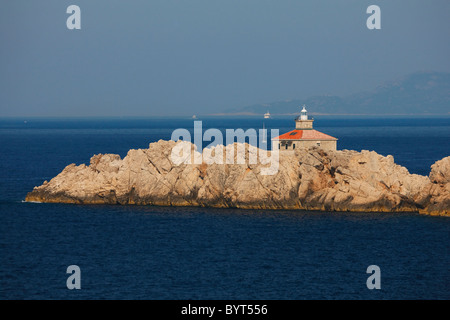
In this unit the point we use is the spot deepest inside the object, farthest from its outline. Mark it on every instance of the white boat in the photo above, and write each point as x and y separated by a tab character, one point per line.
267	115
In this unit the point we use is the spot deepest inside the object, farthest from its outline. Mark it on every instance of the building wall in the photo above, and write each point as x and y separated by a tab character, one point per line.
305	144
304	124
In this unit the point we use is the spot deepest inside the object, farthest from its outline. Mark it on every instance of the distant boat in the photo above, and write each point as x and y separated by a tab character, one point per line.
194	117
267	115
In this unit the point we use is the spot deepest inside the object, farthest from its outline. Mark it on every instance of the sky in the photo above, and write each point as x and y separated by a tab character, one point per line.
184	57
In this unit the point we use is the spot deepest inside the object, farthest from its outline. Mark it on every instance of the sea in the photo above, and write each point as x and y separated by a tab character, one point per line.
189	253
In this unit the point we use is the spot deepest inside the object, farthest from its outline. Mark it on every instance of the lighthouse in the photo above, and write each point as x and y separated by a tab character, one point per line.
302	122
304	136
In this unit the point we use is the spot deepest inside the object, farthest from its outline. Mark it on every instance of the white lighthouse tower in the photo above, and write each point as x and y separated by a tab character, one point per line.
302	122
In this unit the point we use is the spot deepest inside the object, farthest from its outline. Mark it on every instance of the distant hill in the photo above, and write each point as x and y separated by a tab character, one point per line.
418	93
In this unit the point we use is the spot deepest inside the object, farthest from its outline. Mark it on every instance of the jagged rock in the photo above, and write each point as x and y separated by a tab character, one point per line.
440	171
313	179
439	193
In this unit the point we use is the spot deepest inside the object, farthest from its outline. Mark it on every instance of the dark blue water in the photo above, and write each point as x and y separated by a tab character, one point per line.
129	252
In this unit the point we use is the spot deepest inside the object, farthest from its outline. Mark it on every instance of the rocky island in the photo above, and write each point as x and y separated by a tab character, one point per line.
307	179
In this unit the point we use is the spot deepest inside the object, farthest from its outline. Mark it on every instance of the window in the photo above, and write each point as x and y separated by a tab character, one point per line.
278	146
293	146
286	146
318	144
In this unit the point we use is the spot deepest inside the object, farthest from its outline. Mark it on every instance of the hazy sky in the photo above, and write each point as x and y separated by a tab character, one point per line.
180	57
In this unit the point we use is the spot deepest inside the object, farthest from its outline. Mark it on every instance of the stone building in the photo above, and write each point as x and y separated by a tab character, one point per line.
304	136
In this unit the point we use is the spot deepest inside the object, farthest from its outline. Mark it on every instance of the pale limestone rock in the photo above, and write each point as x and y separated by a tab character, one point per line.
439	192
440	171
311	179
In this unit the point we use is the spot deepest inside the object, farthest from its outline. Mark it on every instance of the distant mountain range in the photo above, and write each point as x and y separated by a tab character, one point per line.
418	93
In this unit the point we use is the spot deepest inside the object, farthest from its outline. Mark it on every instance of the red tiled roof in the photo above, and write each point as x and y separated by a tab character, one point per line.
304	135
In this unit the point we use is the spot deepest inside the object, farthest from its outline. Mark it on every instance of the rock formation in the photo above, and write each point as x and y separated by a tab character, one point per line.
311	179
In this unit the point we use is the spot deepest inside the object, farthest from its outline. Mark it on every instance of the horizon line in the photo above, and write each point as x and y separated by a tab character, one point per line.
218	115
